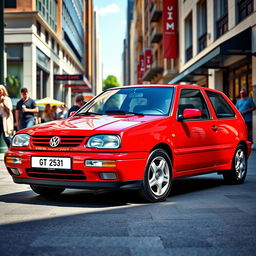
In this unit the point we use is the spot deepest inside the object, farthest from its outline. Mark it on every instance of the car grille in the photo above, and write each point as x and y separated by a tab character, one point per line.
60	174
65	141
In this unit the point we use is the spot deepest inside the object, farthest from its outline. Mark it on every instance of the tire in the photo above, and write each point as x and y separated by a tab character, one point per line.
157	180
239	167
46	191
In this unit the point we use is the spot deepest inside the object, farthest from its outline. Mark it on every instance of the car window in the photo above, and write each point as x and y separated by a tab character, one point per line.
145	101
221	107
193	98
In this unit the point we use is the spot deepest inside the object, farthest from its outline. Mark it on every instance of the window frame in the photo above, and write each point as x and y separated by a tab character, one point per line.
205	103
207	92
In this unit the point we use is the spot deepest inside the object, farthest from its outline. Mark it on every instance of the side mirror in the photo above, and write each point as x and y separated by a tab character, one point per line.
190	113
72	113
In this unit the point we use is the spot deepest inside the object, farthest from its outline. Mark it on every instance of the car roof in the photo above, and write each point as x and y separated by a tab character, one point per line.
159	85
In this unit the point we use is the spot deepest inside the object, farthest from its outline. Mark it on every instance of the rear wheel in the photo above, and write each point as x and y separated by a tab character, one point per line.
239	167
158	177
46	191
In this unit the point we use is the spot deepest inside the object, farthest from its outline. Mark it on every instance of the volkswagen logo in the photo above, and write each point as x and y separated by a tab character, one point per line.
54	141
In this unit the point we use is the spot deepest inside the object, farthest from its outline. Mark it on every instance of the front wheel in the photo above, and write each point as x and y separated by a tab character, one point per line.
158	177
46	191
239	167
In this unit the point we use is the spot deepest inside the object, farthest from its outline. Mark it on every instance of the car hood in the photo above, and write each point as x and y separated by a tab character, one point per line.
79	124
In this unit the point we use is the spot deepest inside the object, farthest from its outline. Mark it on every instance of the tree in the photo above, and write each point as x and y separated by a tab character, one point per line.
110	82
13	86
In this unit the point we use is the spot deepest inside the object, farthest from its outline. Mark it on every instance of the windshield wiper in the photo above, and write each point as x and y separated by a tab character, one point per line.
122	112
87	113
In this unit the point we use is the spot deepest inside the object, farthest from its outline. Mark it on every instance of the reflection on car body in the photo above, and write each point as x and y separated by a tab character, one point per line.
136	137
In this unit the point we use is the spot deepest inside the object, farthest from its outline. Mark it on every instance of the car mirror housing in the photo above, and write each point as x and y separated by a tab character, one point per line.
190	113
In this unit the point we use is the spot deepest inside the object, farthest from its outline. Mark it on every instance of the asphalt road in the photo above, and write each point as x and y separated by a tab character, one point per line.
203	216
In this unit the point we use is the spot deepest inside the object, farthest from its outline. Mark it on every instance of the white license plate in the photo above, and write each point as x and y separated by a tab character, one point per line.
51	162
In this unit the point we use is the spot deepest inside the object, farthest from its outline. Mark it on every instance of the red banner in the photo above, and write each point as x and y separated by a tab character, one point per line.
140	68
148	59
170	28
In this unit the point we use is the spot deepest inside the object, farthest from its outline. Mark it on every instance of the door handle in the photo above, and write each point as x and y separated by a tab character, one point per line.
215	128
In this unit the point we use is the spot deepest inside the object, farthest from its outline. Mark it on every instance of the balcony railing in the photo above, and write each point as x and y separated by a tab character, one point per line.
245	8
222	25
156	35
202	42
189	53
155	14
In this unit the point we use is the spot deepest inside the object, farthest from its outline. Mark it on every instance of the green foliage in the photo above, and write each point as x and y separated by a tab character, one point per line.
13	86
110	82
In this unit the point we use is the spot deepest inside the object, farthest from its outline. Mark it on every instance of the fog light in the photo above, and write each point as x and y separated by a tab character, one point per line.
15	171
107	175
100	163
13	160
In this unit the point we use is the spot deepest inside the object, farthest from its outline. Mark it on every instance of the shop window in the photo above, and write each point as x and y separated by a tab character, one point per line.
53	44
202	25
10	4
188	38
221	17
244	9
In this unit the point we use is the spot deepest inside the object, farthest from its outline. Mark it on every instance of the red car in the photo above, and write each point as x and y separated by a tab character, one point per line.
136	137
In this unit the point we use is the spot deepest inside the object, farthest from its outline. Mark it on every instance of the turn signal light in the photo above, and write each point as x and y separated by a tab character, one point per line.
13	160
100	163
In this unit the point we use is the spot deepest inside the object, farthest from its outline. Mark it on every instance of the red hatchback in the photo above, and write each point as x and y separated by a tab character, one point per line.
136	137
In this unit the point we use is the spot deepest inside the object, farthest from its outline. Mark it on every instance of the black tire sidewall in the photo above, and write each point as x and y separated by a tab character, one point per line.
148	194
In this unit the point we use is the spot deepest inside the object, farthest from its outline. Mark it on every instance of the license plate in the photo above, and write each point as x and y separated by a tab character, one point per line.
51	162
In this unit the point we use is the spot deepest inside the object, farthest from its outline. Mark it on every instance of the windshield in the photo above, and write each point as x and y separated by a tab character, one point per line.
137	101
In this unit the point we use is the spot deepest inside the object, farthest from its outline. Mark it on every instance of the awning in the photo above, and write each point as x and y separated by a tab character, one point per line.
239	45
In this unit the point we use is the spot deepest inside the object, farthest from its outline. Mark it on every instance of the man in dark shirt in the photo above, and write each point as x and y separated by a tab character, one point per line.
25	110
79	102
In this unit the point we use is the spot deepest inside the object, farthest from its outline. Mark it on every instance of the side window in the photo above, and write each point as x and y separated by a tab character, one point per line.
193	98
221	107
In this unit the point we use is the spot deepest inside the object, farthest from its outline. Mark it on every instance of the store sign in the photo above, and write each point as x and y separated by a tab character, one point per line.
69	77
75	86
148	59
170	28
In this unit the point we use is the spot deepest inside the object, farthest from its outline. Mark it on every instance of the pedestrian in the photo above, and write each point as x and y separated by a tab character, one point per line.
25	111
47	114
55	112
246	106
79	102
6	116
63	112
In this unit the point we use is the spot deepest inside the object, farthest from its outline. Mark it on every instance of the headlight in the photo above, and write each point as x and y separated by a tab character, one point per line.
104	141
20	140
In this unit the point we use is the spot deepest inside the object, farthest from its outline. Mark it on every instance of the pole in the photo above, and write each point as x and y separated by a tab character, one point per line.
1	41
3	147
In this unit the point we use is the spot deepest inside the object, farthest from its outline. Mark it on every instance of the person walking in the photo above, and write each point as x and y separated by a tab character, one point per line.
25	111
79	102
246	106
6	116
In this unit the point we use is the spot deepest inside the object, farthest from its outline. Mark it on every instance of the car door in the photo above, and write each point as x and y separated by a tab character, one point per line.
195	139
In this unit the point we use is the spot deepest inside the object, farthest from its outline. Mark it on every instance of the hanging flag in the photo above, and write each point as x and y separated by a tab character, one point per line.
170	29
148	59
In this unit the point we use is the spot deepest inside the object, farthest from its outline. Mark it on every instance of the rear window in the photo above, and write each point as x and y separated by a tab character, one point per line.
221	107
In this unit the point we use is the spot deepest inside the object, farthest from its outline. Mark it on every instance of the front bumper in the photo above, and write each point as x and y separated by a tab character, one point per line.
129	170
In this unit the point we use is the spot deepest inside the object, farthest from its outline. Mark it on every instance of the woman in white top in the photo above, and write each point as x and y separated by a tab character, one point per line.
6	116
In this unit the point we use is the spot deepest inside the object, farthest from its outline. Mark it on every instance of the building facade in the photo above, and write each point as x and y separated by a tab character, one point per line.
47	38
148	42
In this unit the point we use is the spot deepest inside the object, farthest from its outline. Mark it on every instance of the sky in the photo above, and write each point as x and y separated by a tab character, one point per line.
112	29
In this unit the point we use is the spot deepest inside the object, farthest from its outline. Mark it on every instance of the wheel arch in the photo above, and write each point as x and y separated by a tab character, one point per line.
166	148
243	143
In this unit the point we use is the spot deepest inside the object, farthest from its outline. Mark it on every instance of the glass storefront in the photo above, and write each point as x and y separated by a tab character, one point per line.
239	77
